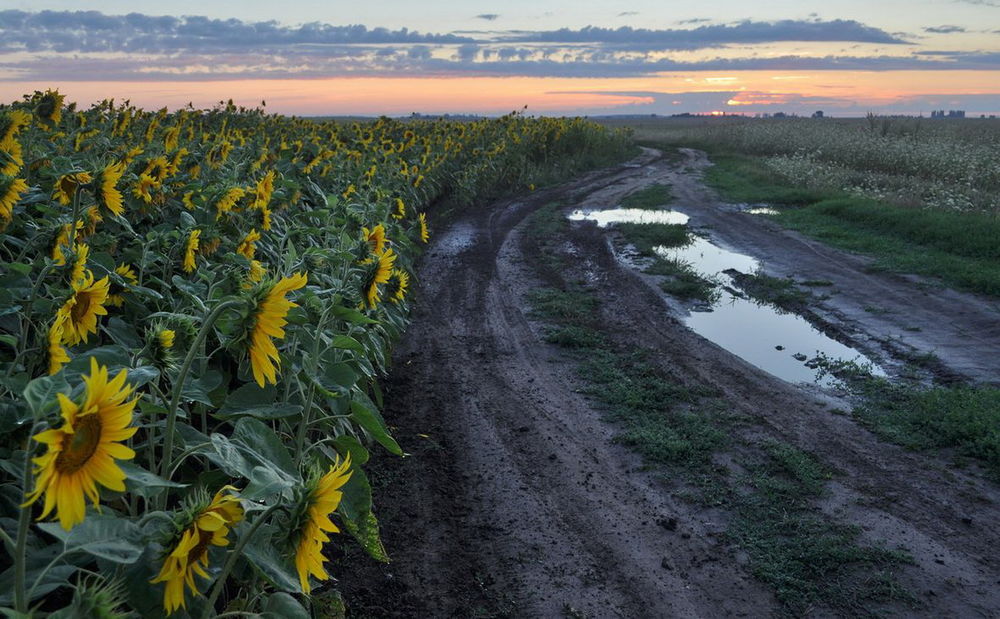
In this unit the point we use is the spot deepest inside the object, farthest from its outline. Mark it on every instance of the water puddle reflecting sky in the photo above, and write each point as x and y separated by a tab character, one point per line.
759	333
628	215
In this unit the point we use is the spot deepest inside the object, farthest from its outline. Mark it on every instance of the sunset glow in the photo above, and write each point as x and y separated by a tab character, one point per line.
304	61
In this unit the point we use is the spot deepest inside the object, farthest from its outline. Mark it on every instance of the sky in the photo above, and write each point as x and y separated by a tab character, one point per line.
478	57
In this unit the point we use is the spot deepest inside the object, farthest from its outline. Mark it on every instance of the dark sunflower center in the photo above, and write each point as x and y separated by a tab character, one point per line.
78	448
199	550
80	308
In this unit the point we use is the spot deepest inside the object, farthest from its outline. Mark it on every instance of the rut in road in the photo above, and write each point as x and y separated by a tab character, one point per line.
517	502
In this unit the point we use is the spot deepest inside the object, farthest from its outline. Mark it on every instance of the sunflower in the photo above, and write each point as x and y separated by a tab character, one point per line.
246	247
257	271
82	452
263	191
425	235
165	337
10	192
321	501
378	273
57	354
67	185
86	304
187	201
116	292
80	265
48	107
62	240
10	125
400	209
208	526
395	288
375	238
145	188
269	320
228	200
107	194
190	249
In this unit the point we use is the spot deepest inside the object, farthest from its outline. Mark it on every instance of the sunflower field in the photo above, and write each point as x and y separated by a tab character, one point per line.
195	312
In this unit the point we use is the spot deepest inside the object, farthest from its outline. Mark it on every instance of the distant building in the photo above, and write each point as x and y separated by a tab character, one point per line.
949	114
818	114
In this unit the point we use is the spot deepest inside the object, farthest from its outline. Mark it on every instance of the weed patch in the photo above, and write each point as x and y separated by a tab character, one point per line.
652	197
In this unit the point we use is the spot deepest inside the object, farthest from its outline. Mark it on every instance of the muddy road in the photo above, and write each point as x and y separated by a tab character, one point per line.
516	501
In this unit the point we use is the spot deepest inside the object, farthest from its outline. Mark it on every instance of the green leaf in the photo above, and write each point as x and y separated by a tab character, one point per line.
263	553
252	401
106	537
198	389
264	483
375	426
283	606
123	333
352	315
347	342
260	440
145	484
40	394
355	510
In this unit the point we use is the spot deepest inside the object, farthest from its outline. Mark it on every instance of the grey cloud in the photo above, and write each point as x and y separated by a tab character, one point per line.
944	29
92	31
488	16
718	35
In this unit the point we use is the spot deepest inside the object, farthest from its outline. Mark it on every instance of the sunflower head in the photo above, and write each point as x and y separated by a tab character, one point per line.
311	522
424	232
268	322
105	190
377	271
82	453
191	250
395	288
10	192
68	184
48	106
198	527
375	238
84	307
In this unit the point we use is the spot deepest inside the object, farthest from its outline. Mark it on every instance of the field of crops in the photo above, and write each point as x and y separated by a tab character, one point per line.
950	164
195	312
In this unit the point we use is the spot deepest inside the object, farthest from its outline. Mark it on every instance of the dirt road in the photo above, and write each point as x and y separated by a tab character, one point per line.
516	502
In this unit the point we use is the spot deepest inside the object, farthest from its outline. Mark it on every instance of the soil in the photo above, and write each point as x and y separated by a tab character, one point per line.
514	501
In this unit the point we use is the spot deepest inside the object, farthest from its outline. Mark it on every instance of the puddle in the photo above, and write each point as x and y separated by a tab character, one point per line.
755	331
761	334
762	210
628	215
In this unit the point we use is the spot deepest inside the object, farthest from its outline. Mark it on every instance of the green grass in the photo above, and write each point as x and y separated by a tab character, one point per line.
952	246
744	179
806	556
682	281
963	418
962	249
647	236
780	291
651	197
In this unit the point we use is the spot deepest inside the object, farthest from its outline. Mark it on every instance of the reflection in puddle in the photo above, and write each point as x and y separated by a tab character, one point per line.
759	333
762	210
628	215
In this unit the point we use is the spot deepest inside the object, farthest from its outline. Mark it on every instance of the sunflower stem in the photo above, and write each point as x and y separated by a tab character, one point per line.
220	582
23	522
300	435
175	397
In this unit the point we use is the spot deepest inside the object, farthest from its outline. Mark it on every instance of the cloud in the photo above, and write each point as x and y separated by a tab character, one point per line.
92	31
92	46
743	32
990	3
627	13
944	29
488	16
